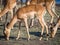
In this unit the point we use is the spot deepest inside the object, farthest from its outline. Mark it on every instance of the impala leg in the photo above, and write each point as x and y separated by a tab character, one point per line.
46	27
18	35
52	15
11	11
53	7
32	20
31	23
47	31
42	22
4	11
26	24
19	31
6	20
9	26
42	25
0	18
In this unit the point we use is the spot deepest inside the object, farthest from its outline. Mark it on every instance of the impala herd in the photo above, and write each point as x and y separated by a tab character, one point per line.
33	8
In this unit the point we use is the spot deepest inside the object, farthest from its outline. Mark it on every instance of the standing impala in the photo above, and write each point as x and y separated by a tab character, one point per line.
9	7
23	14
48	4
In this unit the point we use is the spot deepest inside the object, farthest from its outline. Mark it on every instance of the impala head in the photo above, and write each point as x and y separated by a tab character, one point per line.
6	32
52	30
53	27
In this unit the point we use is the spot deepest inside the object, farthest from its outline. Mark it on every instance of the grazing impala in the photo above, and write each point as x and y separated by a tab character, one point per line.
54	28
23	14
9	7
48	4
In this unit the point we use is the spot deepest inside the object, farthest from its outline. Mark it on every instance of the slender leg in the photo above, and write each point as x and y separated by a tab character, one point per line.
6	20
18	35
52	15
19	31
4	11
42	25
31	23
53	6
51	10
32	20
11	11
46	27
0	18
26	24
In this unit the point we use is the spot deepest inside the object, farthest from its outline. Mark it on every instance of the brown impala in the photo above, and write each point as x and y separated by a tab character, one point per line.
9	7
48	4
23	14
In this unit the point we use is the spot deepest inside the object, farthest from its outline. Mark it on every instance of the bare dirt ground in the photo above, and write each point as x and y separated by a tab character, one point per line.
34	32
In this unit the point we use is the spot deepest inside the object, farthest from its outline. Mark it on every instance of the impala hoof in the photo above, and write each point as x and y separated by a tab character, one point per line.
7	39
17	38
30	26
40	38
29	38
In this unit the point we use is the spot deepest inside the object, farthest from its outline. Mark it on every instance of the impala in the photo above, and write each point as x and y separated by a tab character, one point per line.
9	7
48	4
23	14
